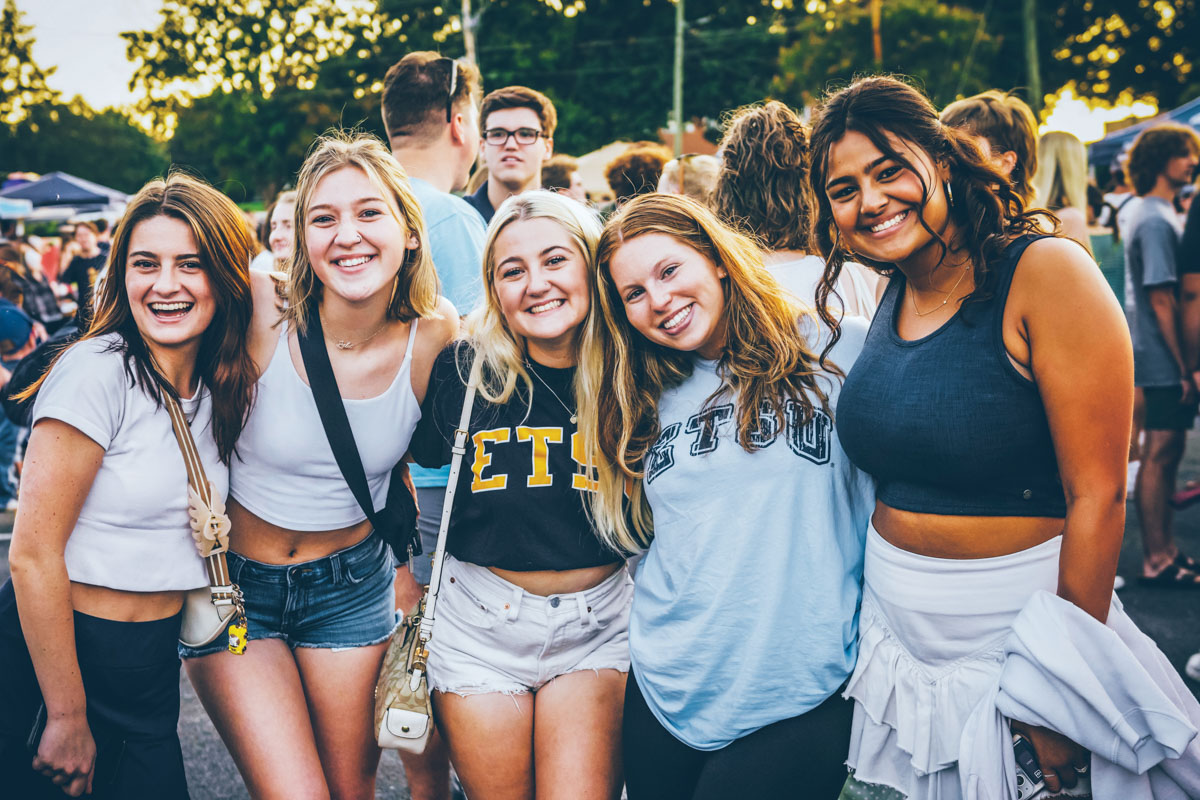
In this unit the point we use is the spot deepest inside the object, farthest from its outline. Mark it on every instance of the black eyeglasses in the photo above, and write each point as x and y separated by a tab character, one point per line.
453	87
498	137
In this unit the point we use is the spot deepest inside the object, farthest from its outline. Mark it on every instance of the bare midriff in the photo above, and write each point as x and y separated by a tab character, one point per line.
548	581
121	606
944	536
258	540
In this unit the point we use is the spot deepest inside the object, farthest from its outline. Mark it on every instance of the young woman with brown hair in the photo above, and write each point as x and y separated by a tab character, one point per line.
714	396
102	550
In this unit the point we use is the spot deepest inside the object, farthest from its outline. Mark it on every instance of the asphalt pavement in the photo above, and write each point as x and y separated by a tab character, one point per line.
1170	617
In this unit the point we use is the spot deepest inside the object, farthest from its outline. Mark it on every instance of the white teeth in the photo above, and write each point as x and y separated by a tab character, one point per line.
169	308
677	318
889	223
546	306
353	262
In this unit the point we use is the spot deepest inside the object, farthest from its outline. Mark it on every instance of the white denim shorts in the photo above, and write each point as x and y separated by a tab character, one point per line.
493	636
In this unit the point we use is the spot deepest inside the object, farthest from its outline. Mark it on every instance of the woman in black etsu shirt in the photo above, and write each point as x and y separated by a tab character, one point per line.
529	658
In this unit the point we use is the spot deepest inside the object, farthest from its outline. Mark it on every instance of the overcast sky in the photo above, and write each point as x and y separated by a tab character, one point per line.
82	38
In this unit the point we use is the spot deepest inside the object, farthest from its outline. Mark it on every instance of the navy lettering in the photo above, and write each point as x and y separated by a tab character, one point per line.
661	455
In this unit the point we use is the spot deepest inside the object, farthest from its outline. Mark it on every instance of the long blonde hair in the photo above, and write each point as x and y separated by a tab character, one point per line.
1061	178
416	289
501	353
766	359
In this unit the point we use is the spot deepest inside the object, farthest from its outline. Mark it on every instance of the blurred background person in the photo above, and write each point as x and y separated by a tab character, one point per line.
692	174
1005	130
518	135
561	174
279	235
636	171
86	262
762	189
1061	181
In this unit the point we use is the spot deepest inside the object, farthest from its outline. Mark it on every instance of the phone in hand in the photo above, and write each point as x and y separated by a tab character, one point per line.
1031	784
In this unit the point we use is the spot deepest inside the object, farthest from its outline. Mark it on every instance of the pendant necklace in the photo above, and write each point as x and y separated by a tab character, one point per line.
567	408
347	344
913	298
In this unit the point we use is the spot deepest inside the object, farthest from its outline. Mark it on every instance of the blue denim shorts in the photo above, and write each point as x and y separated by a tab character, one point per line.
343	600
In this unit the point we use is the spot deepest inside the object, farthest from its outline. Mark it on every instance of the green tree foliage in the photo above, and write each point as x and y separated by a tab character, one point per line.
106	146
944	48
22	81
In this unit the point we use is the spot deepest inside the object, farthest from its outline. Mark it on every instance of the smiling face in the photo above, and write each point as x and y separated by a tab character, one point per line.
511	164
170	295
541	283
280	238
876	200
672	293
354	235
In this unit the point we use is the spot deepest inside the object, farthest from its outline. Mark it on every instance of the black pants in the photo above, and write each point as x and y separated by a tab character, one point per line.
802	757
131	678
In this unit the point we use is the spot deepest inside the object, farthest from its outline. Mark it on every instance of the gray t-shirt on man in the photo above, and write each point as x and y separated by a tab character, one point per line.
1151	242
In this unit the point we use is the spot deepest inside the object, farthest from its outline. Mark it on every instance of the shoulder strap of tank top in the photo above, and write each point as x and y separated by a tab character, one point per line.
397	522
1007	263
412	338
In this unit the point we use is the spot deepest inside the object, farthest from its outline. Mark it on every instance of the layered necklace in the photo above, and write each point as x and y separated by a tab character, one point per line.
541	380
912	296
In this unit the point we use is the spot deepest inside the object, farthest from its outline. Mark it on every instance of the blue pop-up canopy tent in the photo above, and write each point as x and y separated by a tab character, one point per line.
61	189
1105	151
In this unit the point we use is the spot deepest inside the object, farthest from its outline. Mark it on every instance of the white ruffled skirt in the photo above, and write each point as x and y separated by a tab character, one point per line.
931	637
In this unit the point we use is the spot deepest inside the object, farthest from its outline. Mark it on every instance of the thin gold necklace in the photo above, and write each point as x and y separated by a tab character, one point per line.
913	297
346	344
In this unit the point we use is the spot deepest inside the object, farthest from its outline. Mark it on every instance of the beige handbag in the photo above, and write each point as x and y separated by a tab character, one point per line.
211	610
403	714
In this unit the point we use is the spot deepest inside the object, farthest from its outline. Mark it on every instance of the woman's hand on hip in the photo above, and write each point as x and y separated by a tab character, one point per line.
1059	757
67	754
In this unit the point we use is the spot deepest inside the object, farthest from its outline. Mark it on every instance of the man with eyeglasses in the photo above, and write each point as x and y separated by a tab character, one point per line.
518	136
432	123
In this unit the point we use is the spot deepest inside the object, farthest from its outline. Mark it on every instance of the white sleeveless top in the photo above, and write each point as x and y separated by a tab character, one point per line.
284	471
133	531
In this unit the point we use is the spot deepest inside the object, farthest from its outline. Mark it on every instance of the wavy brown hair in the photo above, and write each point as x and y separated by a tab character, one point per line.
987	212
1008	124
766	359
225	245
762	188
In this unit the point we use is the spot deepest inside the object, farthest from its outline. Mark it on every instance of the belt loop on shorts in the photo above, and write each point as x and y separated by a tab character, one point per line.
335	568
512	608
586	616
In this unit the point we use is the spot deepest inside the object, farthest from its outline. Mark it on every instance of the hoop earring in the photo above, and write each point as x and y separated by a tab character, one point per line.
949	193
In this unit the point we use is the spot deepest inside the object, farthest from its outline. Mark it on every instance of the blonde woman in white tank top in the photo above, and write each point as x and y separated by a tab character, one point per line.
295	709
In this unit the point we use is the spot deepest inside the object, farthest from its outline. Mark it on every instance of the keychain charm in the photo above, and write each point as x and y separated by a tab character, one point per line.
237	638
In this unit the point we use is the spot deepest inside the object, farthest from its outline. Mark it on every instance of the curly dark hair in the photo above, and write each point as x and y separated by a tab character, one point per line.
986	211
636	171
762	188
1153	148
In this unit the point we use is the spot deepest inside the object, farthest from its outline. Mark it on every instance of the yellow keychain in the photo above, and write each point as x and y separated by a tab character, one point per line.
237	637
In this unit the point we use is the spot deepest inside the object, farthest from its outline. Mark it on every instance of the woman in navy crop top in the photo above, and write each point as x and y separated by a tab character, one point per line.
102	550
530	653
991	403
321	589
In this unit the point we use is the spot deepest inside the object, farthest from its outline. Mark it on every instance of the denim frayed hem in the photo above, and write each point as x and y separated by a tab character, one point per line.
340	645
200	652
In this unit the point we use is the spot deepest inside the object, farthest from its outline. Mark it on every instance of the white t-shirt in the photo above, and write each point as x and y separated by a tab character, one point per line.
802	276
133	532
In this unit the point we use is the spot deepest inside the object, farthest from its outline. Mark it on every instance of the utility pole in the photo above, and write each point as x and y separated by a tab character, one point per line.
1032	68
678	83
876	34
468	29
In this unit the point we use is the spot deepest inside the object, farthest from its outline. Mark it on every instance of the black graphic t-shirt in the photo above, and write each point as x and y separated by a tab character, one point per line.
520	497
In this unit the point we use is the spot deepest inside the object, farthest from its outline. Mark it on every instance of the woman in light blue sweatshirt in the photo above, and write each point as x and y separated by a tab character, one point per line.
718	455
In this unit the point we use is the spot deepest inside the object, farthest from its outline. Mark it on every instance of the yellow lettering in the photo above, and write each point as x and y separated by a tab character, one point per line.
542	438
483	460
585	479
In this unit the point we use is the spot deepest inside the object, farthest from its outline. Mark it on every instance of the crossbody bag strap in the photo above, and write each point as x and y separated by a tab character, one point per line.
323	384
458	449
210	525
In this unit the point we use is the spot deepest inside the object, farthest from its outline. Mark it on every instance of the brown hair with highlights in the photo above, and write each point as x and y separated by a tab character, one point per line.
1008	124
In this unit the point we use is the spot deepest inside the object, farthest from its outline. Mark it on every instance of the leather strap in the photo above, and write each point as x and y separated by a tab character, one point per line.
459	448
325	392
224	593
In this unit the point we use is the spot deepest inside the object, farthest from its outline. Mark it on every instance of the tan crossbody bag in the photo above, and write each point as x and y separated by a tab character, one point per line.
403	714
217	608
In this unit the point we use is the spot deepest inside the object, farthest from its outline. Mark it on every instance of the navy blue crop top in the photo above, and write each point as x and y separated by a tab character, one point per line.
945	423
